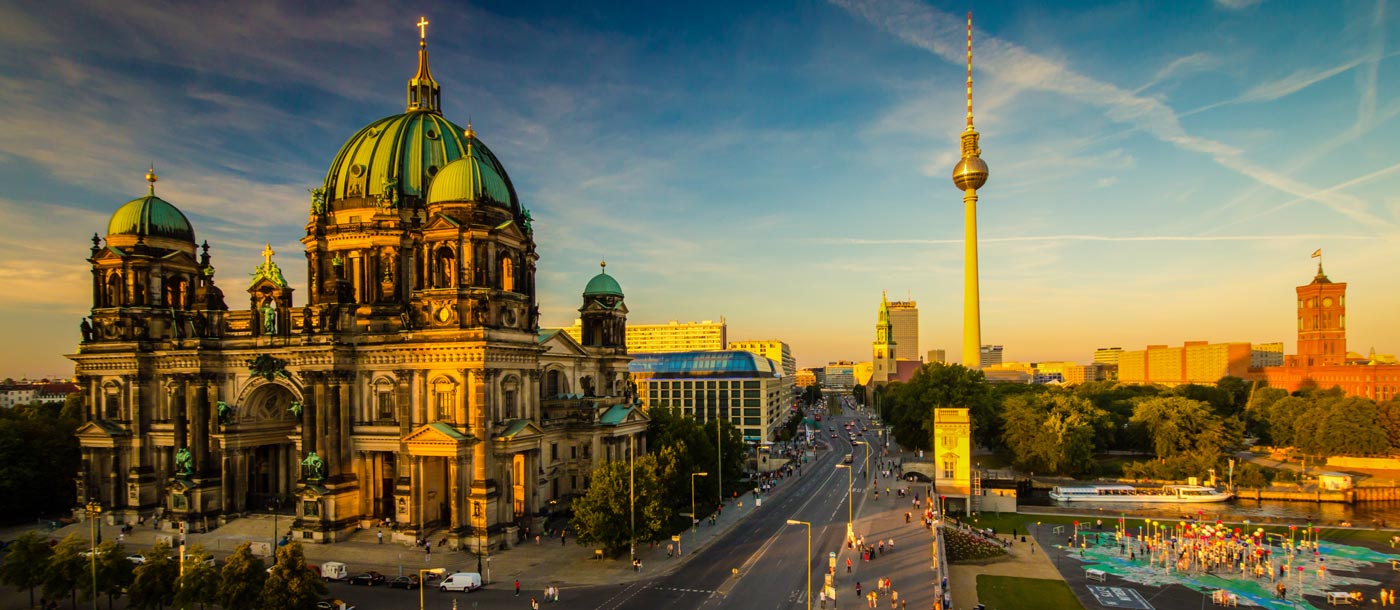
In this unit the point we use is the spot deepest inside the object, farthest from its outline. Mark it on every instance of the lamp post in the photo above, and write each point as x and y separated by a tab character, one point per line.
632	497
272	508
809	557
421	581
850	495
694	516
94	512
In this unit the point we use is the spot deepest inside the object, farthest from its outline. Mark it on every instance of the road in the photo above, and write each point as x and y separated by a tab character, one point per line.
766	552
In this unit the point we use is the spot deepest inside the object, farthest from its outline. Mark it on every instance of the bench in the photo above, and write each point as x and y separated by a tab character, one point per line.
1338	598
1098	575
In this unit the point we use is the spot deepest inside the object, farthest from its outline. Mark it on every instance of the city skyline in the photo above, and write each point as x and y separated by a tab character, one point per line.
1162	173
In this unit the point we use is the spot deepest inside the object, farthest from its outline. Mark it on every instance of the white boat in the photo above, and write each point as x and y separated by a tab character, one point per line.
1167	494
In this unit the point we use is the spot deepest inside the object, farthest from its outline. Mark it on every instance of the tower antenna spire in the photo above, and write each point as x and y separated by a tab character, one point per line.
969	69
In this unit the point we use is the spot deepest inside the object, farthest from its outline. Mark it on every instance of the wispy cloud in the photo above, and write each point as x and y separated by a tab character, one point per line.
938	32
1190	64
856	241
1236	5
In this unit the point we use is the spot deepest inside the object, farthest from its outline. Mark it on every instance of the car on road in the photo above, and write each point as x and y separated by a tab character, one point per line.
833	435
405	582
847	459
370	578
136	559
333	604
461	581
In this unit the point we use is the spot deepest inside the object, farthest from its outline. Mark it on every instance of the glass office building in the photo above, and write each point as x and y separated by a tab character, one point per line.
743	387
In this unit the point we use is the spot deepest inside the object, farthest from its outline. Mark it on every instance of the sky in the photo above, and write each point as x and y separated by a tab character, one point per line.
1160	172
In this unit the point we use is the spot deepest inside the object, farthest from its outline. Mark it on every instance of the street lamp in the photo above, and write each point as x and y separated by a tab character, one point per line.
94	512
694	516
272	507
809	557
850	496
421	581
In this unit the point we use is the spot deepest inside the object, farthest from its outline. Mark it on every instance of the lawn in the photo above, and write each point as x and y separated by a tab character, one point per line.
1008	592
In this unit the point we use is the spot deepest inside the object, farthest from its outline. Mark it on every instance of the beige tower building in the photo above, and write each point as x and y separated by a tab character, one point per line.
969	175
672	336
952	453
904	317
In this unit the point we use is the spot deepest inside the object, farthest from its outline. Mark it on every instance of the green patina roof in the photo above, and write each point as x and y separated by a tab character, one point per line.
546	333
471	178
515	427
150	216
407	151
448	430
602	285
615	415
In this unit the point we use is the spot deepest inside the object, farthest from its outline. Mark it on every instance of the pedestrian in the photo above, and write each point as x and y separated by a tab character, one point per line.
428	549
669	550
848	565
823	598
563	535
381	536
891	545
857	587
537	539
534	604
894	598
556	594
517	587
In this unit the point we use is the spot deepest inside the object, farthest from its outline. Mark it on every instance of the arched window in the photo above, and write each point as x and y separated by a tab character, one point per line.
115	287
444	399
555	384
507	275
444	267
510	388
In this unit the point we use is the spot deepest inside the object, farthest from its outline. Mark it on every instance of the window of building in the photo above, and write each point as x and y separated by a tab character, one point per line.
554	452
949	465
573	452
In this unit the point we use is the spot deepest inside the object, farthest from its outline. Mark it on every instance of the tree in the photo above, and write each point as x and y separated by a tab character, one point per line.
909	410
858	391
1236	391
67	567
604	517
241	581
200	583
1342	426
1187	436
154	582
291	585
39	457
1052	432
1389	415
1256	414
26	563
114	571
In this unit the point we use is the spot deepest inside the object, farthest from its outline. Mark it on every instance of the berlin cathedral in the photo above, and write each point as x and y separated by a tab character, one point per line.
412	385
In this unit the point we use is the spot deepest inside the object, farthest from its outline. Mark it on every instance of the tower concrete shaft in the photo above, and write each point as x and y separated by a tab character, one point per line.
972	307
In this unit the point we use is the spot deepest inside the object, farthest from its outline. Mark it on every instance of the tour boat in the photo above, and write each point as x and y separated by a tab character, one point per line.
1167	494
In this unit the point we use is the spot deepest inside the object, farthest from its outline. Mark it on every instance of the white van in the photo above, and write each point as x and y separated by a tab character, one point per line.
461	581
334	570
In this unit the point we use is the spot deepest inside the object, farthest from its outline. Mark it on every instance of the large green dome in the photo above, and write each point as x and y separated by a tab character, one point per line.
472	178
150	216
406	151
602	285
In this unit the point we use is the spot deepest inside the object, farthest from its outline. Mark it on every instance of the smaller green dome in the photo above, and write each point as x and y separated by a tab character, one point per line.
602	285
150	216
469	179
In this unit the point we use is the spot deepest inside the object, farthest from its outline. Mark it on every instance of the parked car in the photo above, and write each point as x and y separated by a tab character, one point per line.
137	558
370	578
333	570
461	581
405	582
333	604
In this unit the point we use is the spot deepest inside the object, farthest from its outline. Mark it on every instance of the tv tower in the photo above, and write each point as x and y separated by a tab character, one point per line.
969	175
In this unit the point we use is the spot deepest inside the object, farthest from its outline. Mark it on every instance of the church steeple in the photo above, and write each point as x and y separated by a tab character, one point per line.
424	95
884	346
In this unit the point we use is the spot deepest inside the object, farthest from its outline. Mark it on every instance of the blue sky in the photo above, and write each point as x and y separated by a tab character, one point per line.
1160	172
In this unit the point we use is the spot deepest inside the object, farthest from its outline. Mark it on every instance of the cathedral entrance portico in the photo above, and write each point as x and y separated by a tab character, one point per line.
434	495
258	436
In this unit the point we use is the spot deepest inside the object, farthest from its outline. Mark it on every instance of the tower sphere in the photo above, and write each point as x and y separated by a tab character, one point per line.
970	173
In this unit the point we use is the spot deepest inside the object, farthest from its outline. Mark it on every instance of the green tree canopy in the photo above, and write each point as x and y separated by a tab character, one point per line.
39	458
67	567
291	585
604	517
1052	433
1341	426
909	409
200	582
154	583
26	563
241	581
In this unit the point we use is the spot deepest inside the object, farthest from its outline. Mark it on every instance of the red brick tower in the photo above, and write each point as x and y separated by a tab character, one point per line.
1322	322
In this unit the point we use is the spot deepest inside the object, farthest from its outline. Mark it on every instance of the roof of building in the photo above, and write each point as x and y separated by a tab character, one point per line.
729	363
602	285
615	415
150	216
472	178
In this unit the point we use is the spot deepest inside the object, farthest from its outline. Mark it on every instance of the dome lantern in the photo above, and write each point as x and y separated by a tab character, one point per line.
424	94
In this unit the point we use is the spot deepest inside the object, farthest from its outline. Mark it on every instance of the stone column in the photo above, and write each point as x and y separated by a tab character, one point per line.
403	400
333	415
480	382
461	409
454	470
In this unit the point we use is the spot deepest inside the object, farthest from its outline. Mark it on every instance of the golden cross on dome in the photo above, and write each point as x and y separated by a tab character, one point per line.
422	28
267	254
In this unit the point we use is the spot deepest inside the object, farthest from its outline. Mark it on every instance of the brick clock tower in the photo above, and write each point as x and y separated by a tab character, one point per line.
1322	322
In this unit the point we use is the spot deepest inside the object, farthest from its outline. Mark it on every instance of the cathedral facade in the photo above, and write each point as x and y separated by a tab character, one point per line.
411	384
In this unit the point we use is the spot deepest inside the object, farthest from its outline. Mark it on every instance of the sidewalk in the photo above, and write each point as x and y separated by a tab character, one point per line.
548	563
